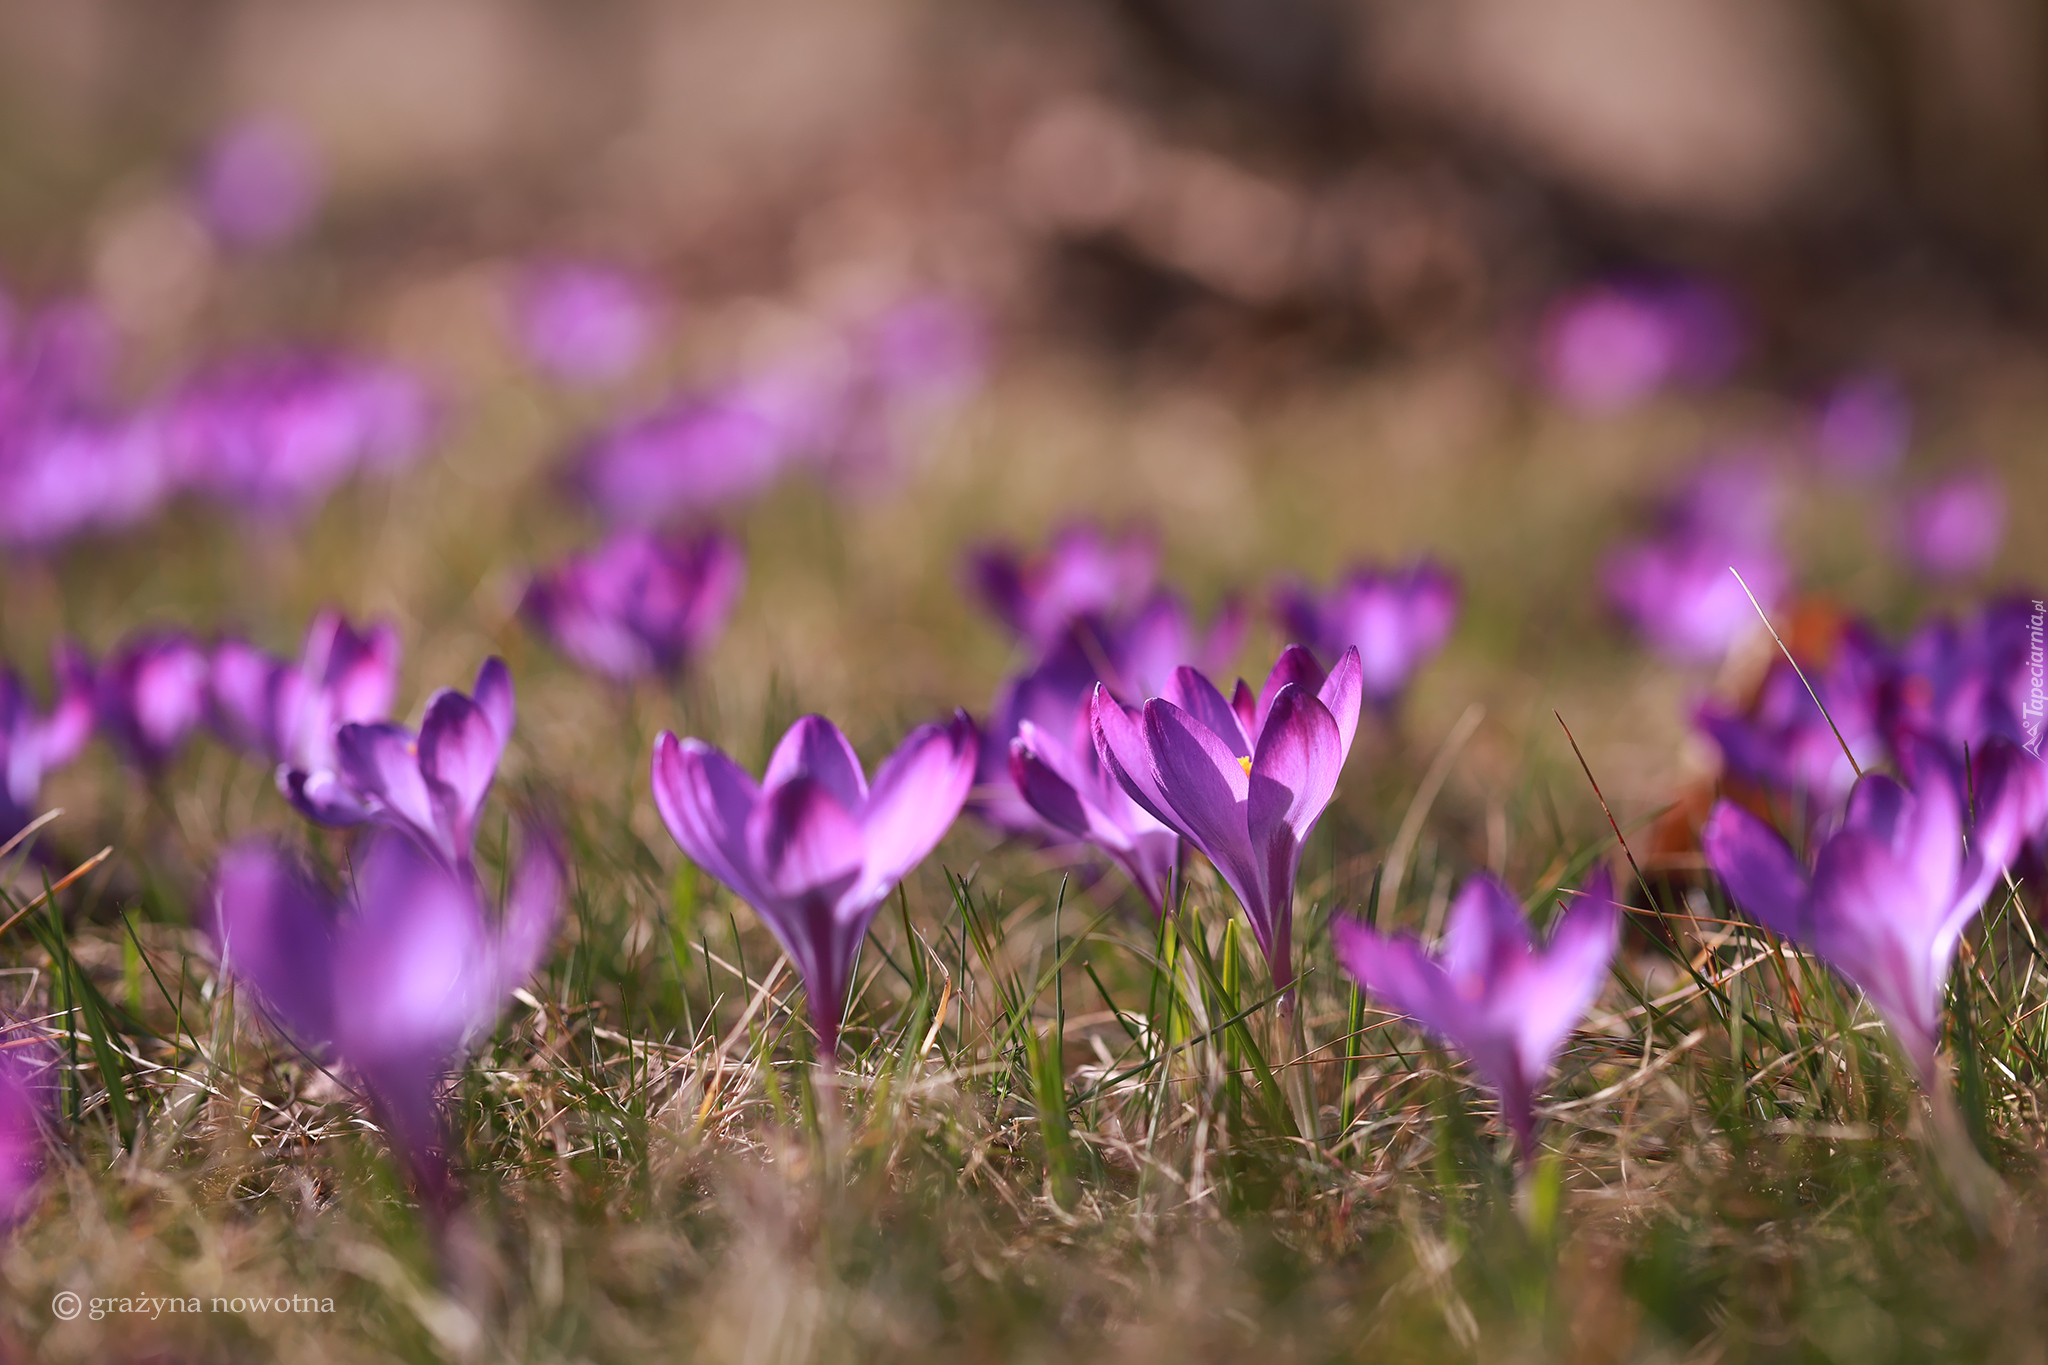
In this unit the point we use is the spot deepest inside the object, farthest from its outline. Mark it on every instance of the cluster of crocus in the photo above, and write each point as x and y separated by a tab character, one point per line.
1397	619
276	434
639	605
583	323
815	847
1676	589
1611	345
393	976
846	406
1488	991
1893	887
270	434
1784	743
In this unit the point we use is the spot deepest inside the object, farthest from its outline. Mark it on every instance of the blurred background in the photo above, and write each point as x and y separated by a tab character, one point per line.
1292	282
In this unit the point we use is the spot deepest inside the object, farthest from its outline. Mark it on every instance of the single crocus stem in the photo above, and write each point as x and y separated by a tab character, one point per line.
1980	1192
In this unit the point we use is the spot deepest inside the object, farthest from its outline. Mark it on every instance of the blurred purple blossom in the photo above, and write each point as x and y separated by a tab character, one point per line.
1676	588
1489	992
27	1075
1608	346
1782	740
259	182
1082	572
397	975
585	323
1397	619
1891	890
32	742
696	451
151	693
1062	779
1863	426
288	711
431	785
638	605
1243	780
813	847
276	434
1952	529
65	474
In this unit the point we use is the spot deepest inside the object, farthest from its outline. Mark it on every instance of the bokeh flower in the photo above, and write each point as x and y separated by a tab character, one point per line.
33	742
260	182
1863	426
1083	571
151	694
640	604
288	710
584	323
813	847
397	975
1611	345
1952	528
1397	619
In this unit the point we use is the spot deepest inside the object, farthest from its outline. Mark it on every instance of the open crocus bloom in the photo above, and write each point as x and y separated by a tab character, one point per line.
33	742
1245	780
288	711
813	847
151	695
397	975
1489	992
1893	888
1397	619
431	785
638	605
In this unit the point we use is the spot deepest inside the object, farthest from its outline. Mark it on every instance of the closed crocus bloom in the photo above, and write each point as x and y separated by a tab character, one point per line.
813	847
1397	619
1489	992
397	974
1082	572
1952	529
585	323
640	604
1062	780
288	711
151	695
33	742
1245	780
1892	889
433	784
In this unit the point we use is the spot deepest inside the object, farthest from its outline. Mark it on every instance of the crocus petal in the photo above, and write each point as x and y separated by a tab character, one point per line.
815	748
1052	795
1398	972
243	682
270	928
1863	910
1295	665
917	795
1567	977
803	841
494	697
459	748
1486	936
1197	696
1343	693
322	797
1292	777
1763	878
533	907
1125	755
705	800
1207	789
382	761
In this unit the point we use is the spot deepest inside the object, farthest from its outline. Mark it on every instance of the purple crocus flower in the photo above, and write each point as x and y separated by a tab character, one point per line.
1609	346
151	694
65	474
1489	992
1782	741
1397	619
276	434
585	323
1245	780
1679	596
905	365
1062	780
259	183
696	451
289	711
1952	529
1863	426
640	604
813	847
1891	890
397	975
432	785
32	743
1081	572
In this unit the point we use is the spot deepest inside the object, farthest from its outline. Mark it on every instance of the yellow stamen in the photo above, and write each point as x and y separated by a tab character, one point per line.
1246	764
